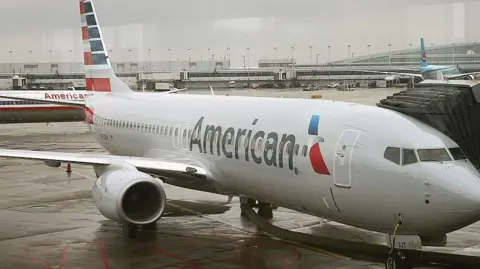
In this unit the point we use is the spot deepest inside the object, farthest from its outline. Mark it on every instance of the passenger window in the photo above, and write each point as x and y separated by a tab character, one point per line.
161	130
408	156
392	154
457	153
184	133
433	155
190	134
171	131
304	151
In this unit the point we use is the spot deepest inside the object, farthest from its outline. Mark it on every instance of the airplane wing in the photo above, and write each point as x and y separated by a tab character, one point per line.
159	167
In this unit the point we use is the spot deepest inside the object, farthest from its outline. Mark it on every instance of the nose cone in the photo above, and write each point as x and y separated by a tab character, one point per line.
464	188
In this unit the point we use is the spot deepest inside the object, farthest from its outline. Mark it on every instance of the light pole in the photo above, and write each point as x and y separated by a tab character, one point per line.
228	53
390	55
243	61
274	58
329	48
130	59
150	60
348	55
189	58
10	58
453	53
50	59
410	54
369	55
169	59
293	55
318	55
310	47
31	59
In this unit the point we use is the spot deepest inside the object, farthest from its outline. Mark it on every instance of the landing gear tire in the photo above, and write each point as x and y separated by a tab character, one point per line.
398	260
247	202
150	227
130	231
265	210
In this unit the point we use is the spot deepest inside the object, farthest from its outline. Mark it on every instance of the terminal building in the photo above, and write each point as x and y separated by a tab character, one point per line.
154	75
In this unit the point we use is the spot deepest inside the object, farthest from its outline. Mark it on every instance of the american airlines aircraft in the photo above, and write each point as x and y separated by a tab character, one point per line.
359	165
29	111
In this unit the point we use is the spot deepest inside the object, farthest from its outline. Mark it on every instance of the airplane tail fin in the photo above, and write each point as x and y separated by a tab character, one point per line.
423	54
99	75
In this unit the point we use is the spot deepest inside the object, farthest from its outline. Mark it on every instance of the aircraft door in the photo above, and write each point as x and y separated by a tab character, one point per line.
342	173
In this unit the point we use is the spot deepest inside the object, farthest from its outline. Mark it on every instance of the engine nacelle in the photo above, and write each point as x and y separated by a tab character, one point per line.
129	196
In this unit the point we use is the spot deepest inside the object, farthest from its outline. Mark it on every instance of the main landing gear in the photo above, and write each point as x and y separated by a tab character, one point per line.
134	231
264	209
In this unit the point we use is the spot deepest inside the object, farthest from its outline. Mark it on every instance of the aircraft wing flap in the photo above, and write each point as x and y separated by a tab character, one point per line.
147	165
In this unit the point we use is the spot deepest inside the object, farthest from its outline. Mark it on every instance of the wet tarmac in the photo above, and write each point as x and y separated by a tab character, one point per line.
48	220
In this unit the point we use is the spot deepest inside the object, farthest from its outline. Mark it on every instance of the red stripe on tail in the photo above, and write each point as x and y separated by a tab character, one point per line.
98	84
85	33
87	58
82	7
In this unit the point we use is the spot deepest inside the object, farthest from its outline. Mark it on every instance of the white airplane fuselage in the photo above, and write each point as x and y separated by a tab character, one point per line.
358	186
16	111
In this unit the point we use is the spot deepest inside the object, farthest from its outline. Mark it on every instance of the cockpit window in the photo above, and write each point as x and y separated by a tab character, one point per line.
392	154
433	155
457	153
408	156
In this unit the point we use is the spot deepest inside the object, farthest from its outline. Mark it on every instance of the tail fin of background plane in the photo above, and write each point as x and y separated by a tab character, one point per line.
423	54
99	75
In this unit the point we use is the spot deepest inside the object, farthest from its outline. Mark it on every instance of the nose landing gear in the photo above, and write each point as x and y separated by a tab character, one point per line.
264	209
396	258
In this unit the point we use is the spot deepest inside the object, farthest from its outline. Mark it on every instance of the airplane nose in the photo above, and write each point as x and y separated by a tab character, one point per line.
465	185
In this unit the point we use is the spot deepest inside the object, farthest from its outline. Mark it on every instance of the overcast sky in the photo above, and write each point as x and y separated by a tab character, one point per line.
40	25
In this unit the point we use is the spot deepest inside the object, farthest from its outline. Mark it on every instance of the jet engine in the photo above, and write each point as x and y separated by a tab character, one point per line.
129	196
469	77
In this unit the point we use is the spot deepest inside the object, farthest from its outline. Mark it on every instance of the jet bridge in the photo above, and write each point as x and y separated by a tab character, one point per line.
452	107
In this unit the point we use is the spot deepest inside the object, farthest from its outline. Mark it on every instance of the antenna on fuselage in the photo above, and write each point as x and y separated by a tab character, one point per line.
211	89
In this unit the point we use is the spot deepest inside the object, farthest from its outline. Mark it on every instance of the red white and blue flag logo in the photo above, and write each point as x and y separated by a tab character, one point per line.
315	154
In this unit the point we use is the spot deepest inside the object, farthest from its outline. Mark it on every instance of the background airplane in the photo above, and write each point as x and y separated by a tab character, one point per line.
432	72
312	156
24	111
32	111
